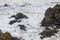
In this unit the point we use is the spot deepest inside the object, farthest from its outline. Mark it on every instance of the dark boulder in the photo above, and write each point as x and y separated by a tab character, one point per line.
51	19
7	36
12	22
20	16
57	7
48	33
5	5
50	11
22	27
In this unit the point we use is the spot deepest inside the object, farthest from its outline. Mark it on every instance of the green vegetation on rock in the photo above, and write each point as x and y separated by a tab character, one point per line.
7	36
48	33
51	19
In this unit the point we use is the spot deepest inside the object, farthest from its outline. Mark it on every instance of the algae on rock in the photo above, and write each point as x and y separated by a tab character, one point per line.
7	36
51	21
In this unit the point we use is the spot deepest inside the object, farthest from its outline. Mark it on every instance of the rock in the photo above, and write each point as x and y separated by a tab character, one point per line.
7	36
14	38
47	22
48	33
57	7
52	16
12	22
5	5
20	16
22	27
50	11
51	19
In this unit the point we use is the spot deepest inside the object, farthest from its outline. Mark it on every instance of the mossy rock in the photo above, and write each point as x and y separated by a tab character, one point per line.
48	19
50	11
5	5
7	36
18	16
48	33
12	22
51	19
57	7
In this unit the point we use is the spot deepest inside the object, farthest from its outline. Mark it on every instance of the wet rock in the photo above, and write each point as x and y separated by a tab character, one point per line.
17	17
12	22
7	36
20	16
57	7
51	19
5	5
48	33
43	23
12	16
14	38
50	11
22	27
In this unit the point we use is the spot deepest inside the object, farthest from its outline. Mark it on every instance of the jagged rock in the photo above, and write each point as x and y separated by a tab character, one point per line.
22	27
48	33
57	7
12	16
19	21
17	17
7	36
20	16
51	19
14	38
43	23
12	22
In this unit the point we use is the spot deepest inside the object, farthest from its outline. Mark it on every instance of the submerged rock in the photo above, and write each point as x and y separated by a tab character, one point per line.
52	17
57	7
6	5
